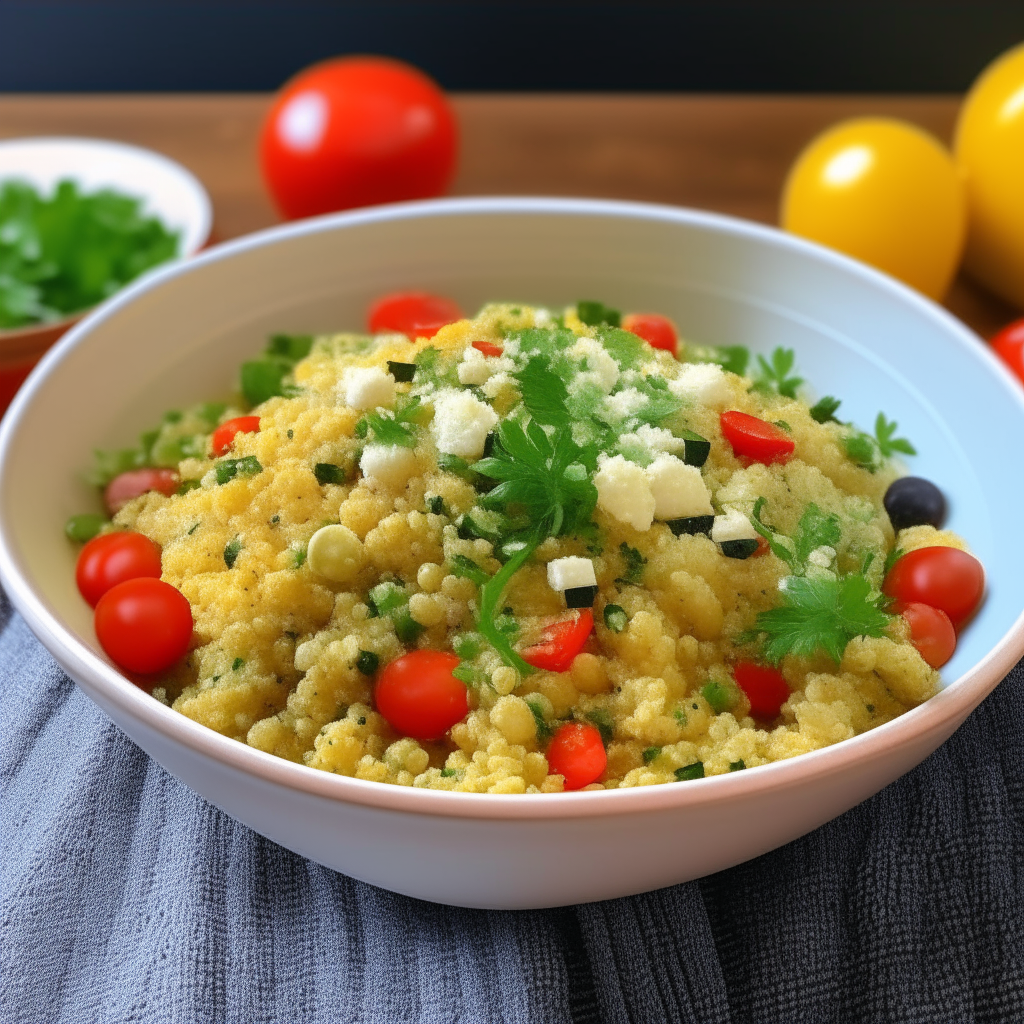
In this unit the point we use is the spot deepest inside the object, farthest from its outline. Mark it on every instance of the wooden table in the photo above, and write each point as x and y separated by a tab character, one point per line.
724	153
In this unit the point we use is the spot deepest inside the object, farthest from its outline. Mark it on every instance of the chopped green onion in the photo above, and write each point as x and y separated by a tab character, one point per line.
718	695
237	664
650	754
615	617
231	551
84	526
328	473
737	766
367	663
691	771
596	313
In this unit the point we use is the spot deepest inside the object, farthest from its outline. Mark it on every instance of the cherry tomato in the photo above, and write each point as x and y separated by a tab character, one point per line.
1008	344
419	696
355	131
944	578
577	754
220	443
989	150
562	642
488	348
144	625
657	330
885	192
112	558
134	482
766	688
763	547
931	633
414	314
756	439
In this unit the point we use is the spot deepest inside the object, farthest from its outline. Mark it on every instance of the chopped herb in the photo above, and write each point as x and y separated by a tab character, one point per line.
732	358
595	313
870	708
448	773
228	469
453	464
407	629
435	504
824	410
394	428
615	618
544	730
774	375
887	444
237	664
402	372
466	645
465	568
868	452
262	379
292	347
470	675
861	449
891	559
188	485
718	695
192	529
680	716
690	772
544	393
290	435
633	573
602	720
737	766
650	754
361	720
816	529
231	550
84	527
329	473
298	557
784	425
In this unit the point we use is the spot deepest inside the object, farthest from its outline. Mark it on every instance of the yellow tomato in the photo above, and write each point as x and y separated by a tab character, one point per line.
885	192
989	148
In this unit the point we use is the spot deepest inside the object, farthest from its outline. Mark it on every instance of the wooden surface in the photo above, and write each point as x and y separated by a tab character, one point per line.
724	153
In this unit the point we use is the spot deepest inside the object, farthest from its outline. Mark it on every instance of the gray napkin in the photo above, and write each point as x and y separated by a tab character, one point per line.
125	897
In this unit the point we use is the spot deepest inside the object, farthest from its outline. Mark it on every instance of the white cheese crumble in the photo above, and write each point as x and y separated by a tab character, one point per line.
389	464
679	490
461	424
822	557
653	441
601	367
625	403
704	383
732	526
624	492
570	572
366	387
476	368
542	318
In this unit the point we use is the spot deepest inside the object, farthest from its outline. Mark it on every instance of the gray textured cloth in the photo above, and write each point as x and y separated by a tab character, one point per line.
128	898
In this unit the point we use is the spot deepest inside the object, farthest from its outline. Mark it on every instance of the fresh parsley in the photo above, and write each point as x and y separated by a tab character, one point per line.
596	313
869	452
733	358
816	529
633	562
824	410
775	375
394	428
887	444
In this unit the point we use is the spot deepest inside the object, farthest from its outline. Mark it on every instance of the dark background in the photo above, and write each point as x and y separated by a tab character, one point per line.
715	45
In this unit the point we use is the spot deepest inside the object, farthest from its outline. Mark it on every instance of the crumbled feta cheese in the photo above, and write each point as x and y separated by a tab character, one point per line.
704	383
389	464
653	440
679	490
496	384
366	387
542	318
625	403
624	492
732	526
601	368
475	367
461	424
822	556
567	573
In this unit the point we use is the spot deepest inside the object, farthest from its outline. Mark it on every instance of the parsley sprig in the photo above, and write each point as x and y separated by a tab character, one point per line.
816	529
775	375
870	452
395	428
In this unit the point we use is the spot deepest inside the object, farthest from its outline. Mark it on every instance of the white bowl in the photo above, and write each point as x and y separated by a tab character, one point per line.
178	337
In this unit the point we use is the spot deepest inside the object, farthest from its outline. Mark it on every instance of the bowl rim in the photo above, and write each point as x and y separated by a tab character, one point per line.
957	699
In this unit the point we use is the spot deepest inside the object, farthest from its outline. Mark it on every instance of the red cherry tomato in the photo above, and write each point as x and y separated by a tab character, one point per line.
134	482
931	633
488	348
355	131
763	547
414	314
657	330
755	439
766	688
144	625
419	696
562	642
1008	344
110	559
577	754
944	578
225	433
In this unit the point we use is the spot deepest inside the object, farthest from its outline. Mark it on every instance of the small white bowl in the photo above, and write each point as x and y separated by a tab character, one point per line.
178	337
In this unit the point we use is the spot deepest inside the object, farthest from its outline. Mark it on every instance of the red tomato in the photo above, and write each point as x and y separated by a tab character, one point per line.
1008	344
488	348
419	696
766	688
112	558
756	439
944	578
144	625
131	484
225	433
562	642
414	314
763	547
355	131
931	633
657	330
577	754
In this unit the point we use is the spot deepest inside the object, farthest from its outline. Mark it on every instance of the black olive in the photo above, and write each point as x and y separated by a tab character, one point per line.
914	501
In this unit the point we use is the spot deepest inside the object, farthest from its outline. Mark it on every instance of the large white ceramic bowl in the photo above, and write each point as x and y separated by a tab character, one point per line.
179	336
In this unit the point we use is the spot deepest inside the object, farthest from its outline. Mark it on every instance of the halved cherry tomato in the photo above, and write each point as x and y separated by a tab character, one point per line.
944	578
220	443
562	642
763	547
110	559
1008	344
766	688
134	482
144	625
419	696
931	633
577	754
755	439
488	348
414	314
657	330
